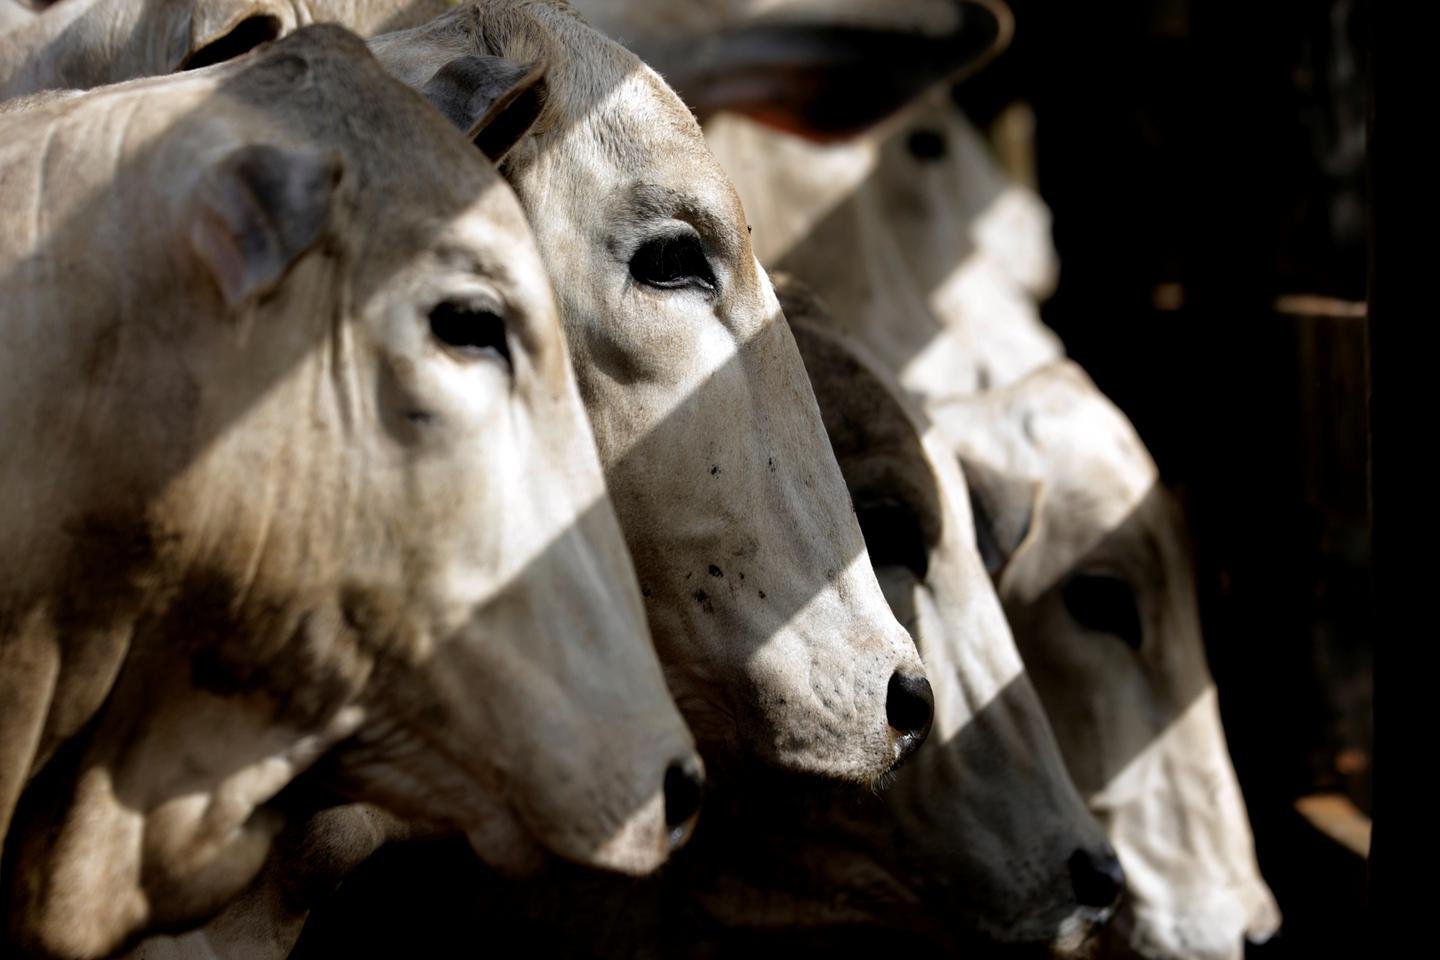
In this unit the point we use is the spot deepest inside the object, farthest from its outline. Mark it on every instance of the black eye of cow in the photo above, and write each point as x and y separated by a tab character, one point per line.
893	536
1104	604
671	262
926	145
469	331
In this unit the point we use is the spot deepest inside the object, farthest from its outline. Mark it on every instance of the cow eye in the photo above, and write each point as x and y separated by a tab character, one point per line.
671	262
470	332
893	536
1104	604
926	145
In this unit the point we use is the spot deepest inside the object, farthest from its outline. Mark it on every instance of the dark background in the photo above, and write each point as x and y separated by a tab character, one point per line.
1206	167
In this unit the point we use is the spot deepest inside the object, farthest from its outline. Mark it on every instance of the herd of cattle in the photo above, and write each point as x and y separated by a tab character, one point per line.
367	480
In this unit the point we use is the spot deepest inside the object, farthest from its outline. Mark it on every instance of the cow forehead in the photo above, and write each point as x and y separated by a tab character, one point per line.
604	103
490	237
1072	436
1097	481
648	134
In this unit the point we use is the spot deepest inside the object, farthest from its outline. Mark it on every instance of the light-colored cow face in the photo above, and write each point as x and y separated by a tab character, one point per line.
1095	576
985	825
294	460
774	634
927	252
910	233
88	43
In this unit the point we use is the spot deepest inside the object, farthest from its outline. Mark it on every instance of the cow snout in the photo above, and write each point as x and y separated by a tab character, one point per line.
1097	877
684	789
910	709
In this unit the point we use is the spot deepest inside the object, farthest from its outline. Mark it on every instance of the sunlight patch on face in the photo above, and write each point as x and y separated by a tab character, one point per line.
996	321
787	185
857	571
1015	229
478	575
968	659
947	366
1135	781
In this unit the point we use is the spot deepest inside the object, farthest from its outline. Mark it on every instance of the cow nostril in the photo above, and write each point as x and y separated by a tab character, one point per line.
1097	877
684	789
910	705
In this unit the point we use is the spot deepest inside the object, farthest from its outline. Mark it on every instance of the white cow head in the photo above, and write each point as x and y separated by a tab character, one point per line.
1094	571
985	825
294	461
911	232
927	252
772	629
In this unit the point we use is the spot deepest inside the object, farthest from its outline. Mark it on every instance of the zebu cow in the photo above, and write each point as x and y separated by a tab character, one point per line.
927	253
771	627
293	463
981	838
1092	566
982	835
765	610
1195	890
683	358
878	225
88	43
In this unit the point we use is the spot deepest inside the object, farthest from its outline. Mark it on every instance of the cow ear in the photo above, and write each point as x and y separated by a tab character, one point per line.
1003	508
822	78
257	212
221	30
494	100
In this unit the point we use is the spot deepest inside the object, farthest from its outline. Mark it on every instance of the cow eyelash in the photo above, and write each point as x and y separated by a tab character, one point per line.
1104	604
470	331
673	261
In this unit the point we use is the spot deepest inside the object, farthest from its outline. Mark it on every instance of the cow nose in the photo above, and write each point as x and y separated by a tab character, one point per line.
684	788
1097	877
910	707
